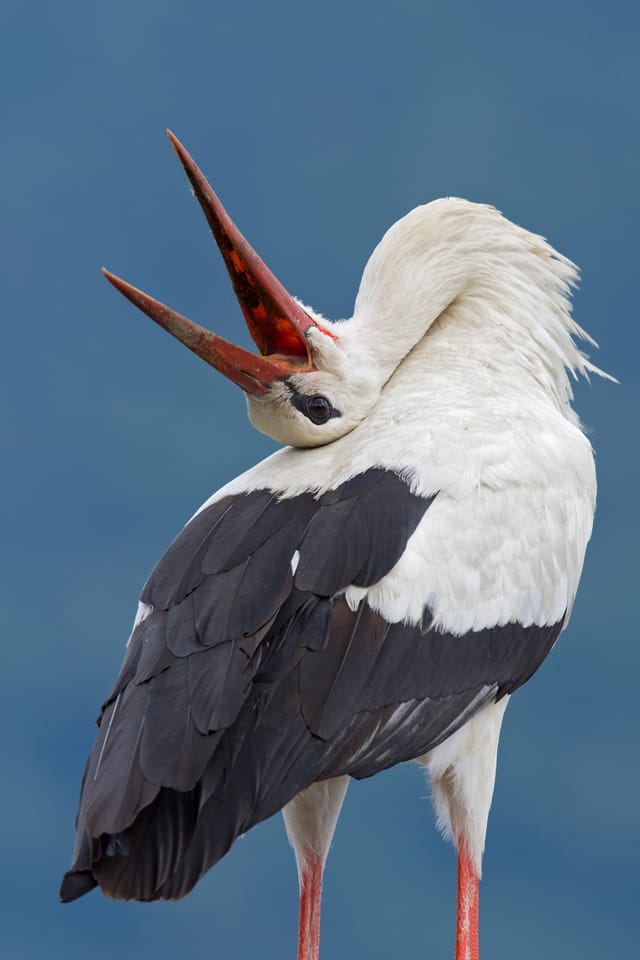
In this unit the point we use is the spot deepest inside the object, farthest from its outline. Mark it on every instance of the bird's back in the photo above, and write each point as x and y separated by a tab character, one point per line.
288	637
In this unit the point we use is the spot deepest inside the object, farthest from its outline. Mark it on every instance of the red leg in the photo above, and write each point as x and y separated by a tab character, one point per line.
467	947
309	923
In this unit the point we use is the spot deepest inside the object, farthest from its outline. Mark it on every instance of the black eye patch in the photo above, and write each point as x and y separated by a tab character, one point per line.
316	408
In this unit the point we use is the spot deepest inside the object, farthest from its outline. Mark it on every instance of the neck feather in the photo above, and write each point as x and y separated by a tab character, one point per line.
484	295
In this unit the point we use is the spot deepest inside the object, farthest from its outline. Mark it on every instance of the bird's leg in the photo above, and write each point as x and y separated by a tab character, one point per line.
467	947
310	819
309	920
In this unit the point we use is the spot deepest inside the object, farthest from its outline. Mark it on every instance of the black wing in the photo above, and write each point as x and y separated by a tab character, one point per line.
250	680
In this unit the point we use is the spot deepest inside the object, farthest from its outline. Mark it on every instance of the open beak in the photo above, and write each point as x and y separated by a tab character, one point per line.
276	322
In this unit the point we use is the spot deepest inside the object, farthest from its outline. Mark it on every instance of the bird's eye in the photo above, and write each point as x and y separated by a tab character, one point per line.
315	408
318	409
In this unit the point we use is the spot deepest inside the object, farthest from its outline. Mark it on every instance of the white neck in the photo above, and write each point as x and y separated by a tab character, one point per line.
488	300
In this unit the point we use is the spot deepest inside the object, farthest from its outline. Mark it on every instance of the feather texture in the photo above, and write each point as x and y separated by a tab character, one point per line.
246	681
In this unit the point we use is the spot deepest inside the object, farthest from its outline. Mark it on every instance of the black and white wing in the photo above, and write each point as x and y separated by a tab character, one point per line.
251	677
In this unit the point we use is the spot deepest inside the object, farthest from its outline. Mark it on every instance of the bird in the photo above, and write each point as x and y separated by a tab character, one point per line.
374	591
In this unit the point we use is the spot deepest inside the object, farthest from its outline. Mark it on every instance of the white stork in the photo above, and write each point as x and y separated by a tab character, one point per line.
374	591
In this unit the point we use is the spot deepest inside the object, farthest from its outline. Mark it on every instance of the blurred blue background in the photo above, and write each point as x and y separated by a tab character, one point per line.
318	126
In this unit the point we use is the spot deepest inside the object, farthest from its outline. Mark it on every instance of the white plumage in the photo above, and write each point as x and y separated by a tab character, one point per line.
454	375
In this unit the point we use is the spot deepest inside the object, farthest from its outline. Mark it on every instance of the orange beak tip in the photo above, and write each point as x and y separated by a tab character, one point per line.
114	280
183	155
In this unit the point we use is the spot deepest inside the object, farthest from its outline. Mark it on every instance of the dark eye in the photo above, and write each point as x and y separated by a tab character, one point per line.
318	409
315	408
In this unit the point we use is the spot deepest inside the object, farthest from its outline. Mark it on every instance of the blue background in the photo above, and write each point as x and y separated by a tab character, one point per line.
318	126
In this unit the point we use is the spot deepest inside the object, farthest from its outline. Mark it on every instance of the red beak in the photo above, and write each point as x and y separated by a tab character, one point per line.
276	322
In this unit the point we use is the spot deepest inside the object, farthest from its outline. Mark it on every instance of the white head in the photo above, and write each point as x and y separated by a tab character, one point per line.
314	380
447	258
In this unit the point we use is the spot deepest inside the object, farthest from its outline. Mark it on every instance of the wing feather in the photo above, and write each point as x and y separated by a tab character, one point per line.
250	679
